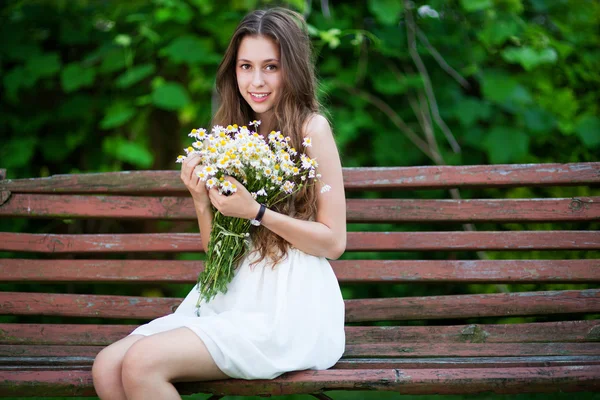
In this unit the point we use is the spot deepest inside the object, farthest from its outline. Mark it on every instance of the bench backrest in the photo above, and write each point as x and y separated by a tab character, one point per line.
446	249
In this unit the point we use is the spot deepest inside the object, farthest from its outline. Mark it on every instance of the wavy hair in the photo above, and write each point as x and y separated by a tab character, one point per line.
295	105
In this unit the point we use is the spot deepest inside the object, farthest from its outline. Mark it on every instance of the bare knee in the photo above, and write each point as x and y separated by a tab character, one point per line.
140	365
106	372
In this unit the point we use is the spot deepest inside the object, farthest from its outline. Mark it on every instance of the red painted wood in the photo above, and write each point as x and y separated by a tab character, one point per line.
84	305
409	381
100	243
426	177
562	331
464	362
402	350
85	363
356	241
405	308
18	270
477	305
358	210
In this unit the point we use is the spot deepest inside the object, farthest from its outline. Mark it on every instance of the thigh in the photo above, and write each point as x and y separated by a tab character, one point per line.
179	355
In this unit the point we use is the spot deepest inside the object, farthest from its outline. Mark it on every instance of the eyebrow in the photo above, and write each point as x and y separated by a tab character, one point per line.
264	61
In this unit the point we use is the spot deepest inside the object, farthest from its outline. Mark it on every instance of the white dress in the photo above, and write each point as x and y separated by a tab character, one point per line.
270	321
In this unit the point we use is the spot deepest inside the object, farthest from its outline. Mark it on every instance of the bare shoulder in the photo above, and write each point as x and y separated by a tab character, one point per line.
316	125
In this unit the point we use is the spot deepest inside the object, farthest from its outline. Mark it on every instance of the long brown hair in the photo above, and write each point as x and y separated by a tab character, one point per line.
296	104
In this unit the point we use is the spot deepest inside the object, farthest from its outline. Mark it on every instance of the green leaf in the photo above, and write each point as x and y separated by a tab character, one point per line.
529	57
17	152
498	86
588	130
388	83
112	61
74	77
387	12
170	96
191	50
43	65
506	145
470	110
123	40
496	32
475	5
117	115
134	75
539	120
130	152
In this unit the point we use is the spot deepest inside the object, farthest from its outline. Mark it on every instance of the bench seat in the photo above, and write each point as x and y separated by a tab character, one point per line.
433	305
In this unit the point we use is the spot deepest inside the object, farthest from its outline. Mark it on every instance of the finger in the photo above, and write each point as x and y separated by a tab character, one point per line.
191	163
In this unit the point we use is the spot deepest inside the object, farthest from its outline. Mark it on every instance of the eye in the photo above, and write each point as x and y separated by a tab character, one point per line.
271	67
245	66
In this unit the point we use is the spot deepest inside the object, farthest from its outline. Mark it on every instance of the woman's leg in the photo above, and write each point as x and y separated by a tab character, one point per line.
152	364
106	371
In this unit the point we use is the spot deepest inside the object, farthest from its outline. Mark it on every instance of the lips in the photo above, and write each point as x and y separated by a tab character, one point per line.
259	97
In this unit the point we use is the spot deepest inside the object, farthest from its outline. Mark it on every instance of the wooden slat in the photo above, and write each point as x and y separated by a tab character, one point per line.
356	241
358	210
405	308
562	331
402	350
83	305
85	363
427	177
375	271
478	305
464	362
409	381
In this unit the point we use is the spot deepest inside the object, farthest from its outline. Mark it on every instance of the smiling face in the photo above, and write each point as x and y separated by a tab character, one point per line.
258	72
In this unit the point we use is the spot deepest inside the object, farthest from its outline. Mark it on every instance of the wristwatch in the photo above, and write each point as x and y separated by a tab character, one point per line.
256	221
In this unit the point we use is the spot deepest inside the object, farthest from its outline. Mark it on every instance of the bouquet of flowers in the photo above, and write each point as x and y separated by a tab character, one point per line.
271	170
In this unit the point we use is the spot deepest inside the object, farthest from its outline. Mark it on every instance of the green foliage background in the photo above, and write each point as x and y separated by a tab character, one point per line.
91	86
114	85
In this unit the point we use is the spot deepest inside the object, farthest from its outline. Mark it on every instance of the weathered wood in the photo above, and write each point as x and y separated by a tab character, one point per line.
376	271
476	305
85	363
562	331
356	241
4	196
374	178
402	350
361	310
358	210
410	381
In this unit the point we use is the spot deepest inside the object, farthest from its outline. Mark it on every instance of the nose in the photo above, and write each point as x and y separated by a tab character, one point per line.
257	78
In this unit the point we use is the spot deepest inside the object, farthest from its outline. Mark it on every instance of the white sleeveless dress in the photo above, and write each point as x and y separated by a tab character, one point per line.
270	321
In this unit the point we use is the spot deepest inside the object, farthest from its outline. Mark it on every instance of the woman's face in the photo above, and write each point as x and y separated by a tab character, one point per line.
258	72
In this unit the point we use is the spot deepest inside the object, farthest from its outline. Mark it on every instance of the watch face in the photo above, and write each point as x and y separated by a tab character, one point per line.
255	222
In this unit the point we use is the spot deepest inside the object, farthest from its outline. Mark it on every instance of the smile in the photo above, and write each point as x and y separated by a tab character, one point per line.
258	97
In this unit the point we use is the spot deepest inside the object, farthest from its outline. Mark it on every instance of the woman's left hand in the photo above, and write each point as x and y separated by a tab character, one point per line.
240	204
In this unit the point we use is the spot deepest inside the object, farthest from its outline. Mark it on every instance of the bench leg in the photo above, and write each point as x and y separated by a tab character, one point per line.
321	396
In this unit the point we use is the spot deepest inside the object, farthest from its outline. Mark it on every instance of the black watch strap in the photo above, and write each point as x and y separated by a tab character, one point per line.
261	213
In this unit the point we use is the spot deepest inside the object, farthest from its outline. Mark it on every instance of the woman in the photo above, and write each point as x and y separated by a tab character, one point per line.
283	310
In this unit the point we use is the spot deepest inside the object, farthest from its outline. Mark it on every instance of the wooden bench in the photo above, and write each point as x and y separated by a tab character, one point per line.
450	335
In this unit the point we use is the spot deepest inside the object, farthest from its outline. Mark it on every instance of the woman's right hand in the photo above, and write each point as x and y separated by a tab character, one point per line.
197	188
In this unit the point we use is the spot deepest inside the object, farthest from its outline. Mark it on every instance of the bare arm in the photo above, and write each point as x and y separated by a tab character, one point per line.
326	236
